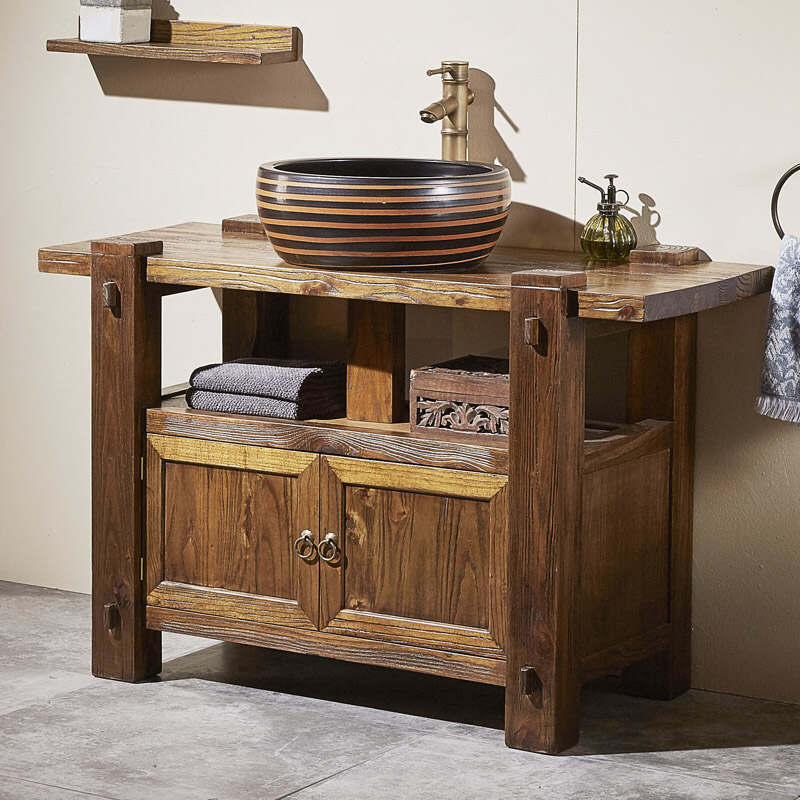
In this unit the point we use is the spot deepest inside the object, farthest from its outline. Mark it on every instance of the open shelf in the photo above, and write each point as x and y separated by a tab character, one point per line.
603	443
214	42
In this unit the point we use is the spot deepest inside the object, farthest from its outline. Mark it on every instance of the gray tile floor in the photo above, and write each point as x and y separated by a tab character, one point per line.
227	722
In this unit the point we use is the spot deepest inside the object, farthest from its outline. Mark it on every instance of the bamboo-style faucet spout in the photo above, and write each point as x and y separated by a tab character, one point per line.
452	109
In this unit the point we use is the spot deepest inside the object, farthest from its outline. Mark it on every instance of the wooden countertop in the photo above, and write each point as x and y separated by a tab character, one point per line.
198	254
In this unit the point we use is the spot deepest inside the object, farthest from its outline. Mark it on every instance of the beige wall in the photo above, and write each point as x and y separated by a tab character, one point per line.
691	102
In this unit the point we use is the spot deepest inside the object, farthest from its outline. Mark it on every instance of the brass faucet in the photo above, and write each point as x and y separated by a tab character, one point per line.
452	108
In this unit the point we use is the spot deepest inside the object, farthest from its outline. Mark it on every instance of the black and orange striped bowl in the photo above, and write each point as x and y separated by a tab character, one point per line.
383	213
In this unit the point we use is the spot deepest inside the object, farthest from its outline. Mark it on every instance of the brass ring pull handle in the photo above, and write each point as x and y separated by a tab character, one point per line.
329	548
304	546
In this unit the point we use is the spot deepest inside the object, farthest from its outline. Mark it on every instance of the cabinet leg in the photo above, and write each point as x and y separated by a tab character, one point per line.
661	384
126	379
547	353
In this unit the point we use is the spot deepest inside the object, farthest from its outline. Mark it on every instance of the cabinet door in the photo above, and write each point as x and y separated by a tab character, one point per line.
222	521
421	555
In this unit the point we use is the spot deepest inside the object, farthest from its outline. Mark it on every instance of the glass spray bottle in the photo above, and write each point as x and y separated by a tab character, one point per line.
608	236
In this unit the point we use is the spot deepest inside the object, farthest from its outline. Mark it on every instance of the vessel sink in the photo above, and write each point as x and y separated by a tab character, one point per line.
383	213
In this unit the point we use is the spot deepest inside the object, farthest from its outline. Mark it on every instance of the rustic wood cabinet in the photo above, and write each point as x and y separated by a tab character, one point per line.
536	563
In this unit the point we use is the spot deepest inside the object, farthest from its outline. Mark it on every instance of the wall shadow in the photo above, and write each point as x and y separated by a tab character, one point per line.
289	85
540	229
485	142
645	220
163	9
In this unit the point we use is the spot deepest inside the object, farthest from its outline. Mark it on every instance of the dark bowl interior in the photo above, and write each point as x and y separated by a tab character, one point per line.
382	168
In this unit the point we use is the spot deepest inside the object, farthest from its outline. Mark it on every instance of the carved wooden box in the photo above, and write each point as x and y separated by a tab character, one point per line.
462	399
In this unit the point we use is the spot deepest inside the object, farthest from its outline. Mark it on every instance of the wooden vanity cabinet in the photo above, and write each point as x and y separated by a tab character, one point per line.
535	565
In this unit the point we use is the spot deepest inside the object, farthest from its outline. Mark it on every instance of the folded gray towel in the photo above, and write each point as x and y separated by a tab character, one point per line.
253	405
294	381
780	376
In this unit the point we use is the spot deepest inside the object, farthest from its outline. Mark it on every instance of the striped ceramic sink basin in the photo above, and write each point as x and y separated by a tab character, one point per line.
383	213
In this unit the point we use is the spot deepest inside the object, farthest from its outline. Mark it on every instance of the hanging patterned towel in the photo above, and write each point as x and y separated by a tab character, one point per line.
780	375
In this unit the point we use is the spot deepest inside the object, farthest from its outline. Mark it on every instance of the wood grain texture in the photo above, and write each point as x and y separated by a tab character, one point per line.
624	551
416	555
225	517
547	412
232	605
363	651
235	456
382	441
670	254
254	324
416	479
416	563
341	437
639	648
376	361
181	40
626	443
229	528
661	383
126	379
197	254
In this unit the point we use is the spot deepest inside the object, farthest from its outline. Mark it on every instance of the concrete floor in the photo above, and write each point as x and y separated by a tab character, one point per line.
227	722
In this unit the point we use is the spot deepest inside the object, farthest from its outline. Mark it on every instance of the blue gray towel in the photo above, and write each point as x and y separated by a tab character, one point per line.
289	389
780	375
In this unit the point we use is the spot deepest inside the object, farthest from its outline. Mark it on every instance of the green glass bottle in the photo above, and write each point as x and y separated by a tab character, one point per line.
608	236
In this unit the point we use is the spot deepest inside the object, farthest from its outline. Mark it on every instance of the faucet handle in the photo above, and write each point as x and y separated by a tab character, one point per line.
439	71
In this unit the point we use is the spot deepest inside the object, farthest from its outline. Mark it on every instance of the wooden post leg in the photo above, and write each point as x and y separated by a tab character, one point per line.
661	385
376	357
547	353
126	379
254	324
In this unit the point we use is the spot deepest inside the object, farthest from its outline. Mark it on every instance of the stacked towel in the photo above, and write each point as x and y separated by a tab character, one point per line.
270	388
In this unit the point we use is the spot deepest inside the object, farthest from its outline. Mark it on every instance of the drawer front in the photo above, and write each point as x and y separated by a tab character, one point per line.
422	555
222	520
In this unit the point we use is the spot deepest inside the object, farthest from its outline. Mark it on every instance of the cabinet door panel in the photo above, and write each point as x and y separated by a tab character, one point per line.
423	554
448	572
228	528
222	520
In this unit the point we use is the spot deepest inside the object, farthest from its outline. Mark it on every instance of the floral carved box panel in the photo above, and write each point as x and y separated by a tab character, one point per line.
466	398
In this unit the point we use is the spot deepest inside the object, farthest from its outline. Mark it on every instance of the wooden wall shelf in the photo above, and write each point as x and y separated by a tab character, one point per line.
214	42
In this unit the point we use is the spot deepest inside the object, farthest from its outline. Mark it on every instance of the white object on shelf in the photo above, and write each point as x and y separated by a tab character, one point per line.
115	24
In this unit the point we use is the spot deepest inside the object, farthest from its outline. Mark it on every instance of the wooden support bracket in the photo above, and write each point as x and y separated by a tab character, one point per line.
376	341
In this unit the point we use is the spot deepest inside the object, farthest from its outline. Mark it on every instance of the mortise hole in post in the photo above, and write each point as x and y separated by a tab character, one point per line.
112	298
111	617
531	685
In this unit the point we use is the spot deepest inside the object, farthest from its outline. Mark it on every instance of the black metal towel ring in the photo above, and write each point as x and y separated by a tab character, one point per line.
776	194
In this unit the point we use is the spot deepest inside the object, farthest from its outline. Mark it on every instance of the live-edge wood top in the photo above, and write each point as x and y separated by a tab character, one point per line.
198	254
